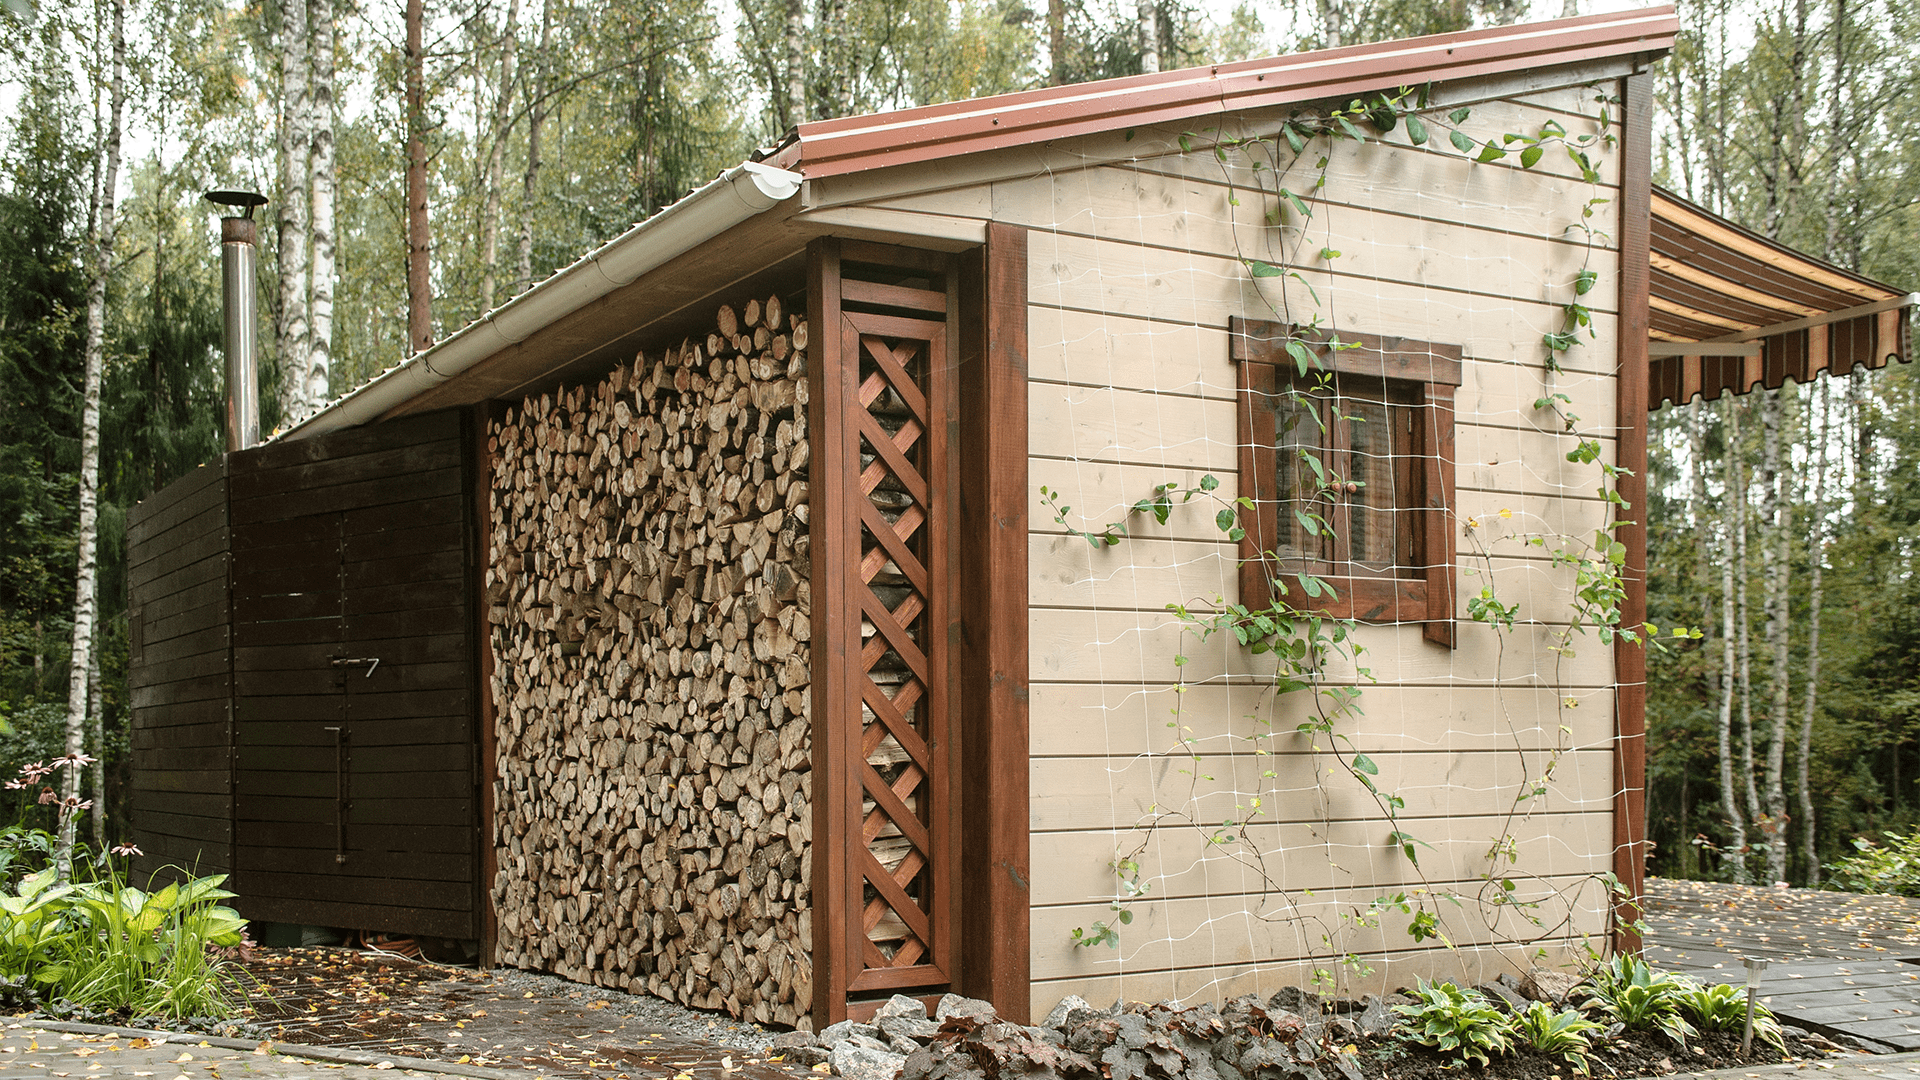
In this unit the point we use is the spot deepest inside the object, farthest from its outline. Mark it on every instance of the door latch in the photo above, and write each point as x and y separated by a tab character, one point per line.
368	662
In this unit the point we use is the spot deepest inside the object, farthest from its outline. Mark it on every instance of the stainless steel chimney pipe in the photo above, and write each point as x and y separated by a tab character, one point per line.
237	255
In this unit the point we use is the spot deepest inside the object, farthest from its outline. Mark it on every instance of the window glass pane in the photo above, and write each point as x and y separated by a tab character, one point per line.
1298	430
1371	465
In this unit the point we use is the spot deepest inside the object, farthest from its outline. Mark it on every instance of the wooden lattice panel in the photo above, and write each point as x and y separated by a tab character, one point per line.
889	721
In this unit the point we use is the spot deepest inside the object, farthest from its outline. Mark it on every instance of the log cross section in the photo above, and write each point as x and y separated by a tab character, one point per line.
889	727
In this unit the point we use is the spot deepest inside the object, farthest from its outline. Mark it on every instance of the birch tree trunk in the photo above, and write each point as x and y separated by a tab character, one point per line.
1816	555
97	736
1736	454
1332	25
1776	541
293	334
319	367
496	160
1147	13
530	180
1736	853
81	660
1056	42
419	239
796	40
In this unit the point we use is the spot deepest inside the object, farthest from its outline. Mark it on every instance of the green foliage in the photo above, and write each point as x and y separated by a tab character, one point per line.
1723	1007
1564	1032
1457	1022
107	945
1627	989
1892	866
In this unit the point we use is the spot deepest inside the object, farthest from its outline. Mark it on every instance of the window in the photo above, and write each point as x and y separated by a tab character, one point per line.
1350	467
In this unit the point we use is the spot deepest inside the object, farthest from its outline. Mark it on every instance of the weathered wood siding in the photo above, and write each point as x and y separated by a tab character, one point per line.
178	621
1136	267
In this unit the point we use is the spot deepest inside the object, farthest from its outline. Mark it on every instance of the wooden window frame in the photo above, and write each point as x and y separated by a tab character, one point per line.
1420	375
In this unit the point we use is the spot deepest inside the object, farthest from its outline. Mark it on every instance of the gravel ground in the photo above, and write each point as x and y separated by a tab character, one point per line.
665	1016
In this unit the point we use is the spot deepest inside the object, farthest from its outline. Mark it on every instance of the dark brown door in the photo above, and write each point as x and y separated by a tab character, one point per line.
355	782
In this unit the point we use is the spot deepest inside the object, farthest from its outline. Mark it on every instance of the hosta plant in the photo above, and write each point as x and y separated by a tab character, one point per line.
1564	1032
1455	1021
1626	989
1723	1007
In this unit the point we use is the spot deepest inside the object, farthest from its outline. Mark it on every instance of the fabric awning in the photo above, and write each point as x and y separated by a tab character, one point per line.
1732	310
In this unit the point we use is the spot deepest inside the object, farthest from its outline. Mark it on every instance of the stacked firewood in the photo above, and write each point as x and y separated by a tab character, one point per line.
647	582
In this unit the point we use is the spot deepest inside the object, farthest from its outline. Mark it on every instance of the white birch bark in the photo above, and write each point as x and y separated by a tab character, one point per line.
497	159
85	603
1816	555
796	40
97	738
1147	12
293	333
1743	639
317	388
530	181
1775	540
1735	853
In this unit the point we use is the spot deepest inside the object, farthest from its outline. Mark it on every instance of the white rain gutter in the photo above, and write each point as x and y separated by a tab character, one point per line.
736	195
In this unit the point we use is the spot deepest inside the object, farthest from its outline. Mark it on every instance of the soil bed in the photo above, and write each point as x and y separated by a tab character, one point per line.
1630	1055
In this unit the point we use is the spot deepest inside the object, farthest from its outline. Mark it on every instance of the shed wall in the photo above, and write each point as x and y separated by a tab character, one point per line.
1136	266
178	614
647	576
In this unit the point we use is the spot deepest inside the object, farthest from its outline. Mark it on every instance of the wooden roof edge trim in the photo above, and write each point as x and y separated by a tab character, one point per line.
831	147
1718	230
1893	304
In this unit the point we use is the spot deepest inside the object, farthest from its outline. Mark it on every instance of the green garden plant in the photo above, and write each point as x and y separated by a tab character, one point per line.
1456	1021
1723	1007
1556	1031
107	945
1890	867
1627	989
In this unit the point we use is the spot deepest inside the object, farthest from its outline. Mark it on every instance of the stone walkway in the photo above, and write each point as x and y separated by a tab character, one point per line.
1838	963
31	1050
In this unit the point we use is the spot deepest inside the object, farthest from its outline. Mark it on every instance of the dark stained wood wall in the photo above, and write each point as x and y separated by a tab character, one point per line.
178	623
354	784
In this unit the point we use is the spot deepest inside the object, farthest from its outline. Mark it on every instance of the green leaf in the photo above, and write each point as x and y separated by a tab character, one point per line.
1209	482
1461	142
1459	115
1298	206
1347	129
1489	153
1530	157
1583	284
1302	358
1186	144
1329	254
1263	269
1364	764
1416	131
1293	138
1224	520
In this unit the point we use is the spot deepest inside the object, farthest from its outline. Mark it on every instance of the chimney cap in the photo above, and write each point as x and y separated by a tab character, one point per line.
243	201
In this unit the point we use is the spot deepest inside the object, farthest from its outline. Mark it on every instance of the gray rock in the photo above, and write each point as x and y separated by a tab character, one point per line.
901	1005
805	1056
900	1044
1551	987
788	1040
865	1043
863	1063
844	1030
1374	1017
1305	1003
916	1029
953	1005
1502	998
1058	1017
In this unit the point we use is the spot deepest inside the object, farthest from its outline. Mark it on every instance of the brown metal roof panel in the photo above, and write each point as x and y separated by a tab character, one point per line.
831	147
1740	269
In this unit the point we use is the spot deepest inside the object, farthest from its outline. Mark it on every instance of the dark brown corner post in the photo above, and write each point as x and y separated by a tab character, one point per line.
827	428
1630	659
995	899
486	767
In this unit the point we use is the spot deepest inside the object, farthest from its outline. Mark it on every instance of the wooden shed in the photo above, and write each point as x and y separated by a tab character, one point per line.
696	622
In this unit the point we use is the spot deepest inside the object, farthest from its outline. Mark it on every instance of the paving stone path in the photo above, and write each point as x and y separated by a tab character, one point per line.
32	1051
1837	963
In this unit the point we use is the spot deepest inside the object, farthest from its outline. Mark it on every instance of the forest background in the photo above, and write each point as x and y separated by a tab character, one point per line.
1785	526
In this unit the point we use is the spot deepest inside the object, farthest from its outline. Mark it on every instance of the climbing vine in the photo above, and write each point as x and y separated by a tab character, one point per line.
1290	168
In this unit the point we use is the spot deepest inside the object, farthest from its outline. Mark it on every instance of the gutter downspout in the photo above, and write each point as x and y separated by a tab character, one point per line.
736	195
